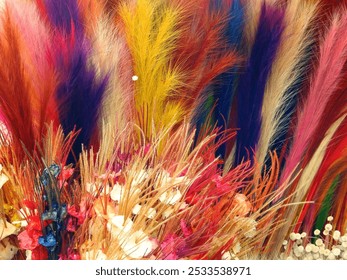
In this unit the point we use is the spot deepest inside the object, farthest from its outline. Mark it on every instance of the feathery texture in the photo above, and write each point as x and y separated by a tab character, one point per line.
204	51
325	208
173	129
79	93
301	188
37	61
15	90
288	72
335	154
226	83
323	90
252	82
111	58
151	33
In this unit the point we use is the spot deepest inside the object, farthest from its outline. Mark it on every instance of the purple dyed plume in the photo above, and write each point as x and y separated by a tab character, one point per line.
252	82
79	93
63	14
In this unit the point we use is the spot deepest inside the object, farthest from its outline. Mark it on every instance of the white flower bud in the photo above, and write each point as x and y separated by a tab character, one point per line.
315	249
292	236
328	227
316	256
298	236
319	242
331	257
336	235
308	248
136	209
151	213
336	252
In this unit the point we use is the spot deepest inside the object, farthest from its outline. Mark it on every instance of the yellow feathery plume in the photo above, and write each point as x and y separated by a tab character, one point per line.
297	37
151	29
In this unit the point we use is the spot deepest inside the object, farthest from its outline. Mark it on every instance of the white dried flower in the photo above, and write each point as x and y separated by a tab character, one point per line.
328	227
118	226
226	256
151	213
6	229
301	249
326	252
292	236
336	251
237	248
170	197
117	192
136	209
321	250
165	179
297	252
315	249
298	236
137	245
308	248
319	242
299	242
336	235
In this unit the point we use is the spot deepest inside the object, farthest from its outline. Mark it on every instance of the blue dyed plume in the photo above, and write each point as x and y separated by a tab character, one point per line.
252	82
223	87
226	83
79	93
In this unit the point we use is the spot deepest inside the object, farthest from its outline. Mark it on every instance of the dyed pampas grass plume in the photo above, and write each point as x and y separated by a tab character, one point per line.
173	130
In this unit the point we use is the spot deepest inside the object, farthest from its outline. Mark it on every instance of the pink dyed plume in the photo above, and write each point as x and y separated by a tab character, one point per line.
324	91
